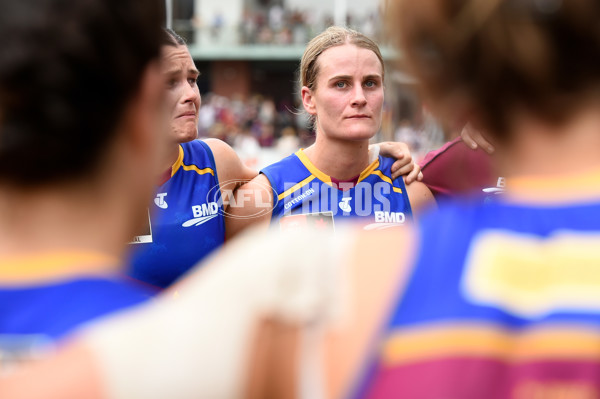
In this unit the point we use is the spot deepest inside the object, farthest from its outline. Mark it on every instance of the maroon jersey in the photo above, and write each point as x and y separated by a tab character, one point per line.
455	169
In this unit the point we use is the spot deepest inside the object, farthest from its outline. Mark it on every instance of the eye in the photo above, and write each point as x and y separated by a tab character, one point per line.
171	83
341	84
370	83
192	81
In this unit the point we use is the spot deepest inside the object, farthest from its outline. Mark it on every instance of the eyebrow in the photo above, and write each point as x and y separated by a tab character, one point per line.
348	77
177	71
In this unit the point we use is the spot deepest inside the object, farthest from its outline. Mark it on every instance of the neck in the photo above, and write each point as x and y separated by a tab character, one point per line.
170	156
340	159
546	151
68	217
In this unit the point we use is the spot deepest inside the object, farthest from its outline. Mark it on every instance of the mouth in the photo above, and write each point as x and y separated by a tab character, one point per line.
189	114
359	117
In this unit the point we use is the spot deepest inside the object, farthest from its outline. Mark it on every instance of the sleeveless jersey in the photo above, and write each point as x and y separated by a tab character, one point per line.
43	298
299	188
187	221
503	302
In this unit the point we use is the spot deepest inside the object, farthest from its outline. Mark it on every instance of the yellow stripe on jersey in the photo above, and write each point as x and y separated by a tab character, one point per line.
312	168
572	187
296	187
526	275
199	171
387	180
370	169
438	341
179	164
54	265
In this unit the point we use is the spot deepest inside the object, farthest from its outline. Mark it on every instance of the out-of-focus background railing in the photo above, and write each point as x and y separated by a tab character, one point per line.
248	53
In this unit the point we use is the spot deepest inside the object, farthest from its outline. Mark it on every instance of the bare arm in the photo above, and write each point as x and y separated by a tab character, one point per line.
231	171
373	291
252	205
233	175
420	198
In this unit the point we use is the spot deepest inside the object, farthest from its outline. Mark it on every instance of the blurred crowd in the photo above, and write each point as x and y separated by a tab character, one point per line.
259	125
254	124
284	26
276	25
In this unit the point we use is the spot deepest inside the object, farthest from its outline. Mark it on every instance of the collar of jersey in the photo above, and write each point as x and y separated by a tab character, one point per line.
177	163
54	265
326	178
554	189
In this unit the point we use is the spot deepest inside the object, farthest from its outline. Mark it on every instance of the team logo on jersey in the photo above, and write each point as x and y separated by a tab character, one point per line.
160	201
345	204
202	214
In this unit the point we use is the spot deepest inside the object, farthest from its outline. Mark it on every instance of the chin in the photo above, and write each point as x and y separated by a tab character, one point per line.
184	137
360	135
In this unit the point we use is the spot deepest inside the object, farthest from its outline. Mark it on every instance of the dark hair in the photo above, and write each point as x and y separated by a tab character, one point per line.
542	56
170	38
67	70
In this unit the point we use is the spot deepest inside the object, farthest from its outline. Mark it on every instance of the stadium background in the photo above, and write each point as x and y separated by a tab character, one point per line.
248	53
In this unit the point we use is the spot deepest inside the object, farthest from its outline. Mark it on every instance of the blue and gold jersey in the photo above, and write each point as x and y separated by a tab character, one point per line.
187	221
300	188
503	302
45	297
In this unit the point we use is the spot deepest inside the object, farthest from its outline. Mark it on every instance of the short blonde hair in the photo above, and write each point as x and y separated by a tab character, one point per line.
332	37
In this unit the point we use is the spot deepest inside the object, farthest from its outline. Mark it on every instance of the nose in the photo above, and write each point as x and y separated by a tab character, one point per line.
190	94
358	99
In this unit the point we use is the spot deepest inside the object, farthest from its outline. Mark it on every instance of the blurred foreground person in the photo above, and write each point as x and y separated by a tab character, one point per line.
502	300
80	104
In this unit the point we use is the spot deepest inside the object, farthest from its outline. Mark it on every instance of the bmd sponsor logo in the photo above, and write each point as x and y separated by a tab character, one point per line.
202	214
390	217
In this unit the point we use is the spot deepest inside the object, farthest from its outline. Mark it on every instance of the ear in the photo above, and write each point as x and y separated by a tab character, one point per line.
308	101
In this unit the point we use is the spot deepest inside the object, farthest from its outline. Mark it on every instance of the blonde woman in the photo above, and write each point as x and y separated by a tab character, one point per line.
342	76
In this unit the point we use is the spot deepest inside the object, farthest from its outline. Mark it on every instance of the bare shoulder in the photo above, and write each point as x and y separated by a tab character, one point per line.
228	163
420	196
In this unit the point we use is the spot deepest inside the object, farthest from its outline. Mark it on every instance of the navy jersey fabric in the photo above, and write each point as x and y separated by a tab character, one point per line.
45	297
55	309
300	188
